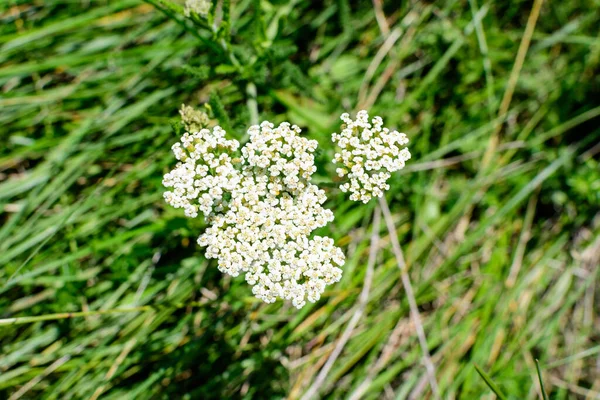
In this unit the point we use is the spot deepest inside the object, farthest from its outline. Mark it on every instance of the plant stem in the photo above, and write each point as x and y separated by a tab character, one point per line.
314	389
412	302
251	102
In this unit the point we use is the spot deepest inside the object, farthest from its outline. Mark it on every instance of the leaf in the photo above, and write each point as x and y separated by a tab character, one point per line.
490	383
539	373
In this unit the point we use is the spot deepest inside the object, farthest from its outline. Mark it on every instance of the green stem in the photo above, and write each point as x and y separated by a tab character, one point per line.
539	372
252	103
171	14
223	46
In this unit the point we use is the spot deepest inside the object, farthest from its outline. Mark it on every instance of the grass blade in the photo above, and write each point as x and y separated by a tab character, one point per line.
491	384
539	373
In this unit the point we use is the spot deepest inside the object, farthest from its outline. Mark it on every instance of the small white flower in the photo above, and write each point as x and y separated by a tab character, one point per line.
200	178
282	152
261	209
369	154
270	243
200	7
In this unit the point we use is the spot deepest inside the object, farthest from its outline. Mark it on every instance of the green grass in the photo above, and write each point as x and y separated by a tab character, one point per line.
112	296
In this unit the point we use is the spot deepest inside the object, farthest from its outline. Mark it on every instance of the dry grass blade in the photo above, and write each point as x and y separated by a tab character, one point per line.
512	82
317	385
410	295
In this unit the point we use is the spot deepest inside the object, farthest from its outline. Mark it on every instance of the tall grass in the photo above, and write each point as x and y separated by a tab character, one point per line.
104	293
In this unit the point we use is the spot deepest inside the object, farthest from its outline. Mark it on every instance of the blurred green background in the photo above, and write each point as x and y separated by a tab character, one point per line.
497	212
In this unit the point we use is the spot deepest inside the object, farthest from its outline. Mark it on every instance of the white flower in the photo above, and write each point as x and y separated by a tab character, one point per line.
200	7
369	153
266	237
203	173
261	210
271	214
282	153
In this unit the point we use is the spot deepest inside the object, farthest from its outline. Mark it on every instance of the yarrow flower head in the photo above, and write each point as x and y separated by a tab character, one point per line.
261	209
369	154
265	235
282	153
200	7
193	120
204	171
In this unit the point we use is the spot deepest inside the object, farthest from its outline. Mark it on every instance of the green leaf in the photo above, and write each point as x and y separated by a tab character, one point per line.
490	383
539	373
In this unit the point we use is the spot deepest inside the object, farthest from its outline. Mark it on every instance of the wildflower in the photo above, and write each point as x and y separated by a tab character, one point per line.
369	153
193	120
266	237
261	208
282	153
200	7
204	171
265	231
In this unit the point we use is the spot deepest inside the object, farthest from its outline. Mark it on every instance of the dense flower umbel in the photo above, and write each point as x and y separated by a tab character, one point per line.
261	209
265	234
203	173
282	153
369	154
193	120
200	7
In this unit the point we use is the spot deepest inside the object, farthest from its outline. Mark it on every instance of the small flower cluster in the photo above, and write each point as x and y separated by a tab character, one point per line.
193	120
265	234
369	154
203	173
200	7
282	153
260	214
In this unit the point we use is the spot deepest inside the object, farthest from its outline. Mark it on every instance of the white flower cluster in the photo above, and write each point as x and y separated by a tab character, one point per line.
261	214
200	7
193	120
204	171
265	234
282	153
369	154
